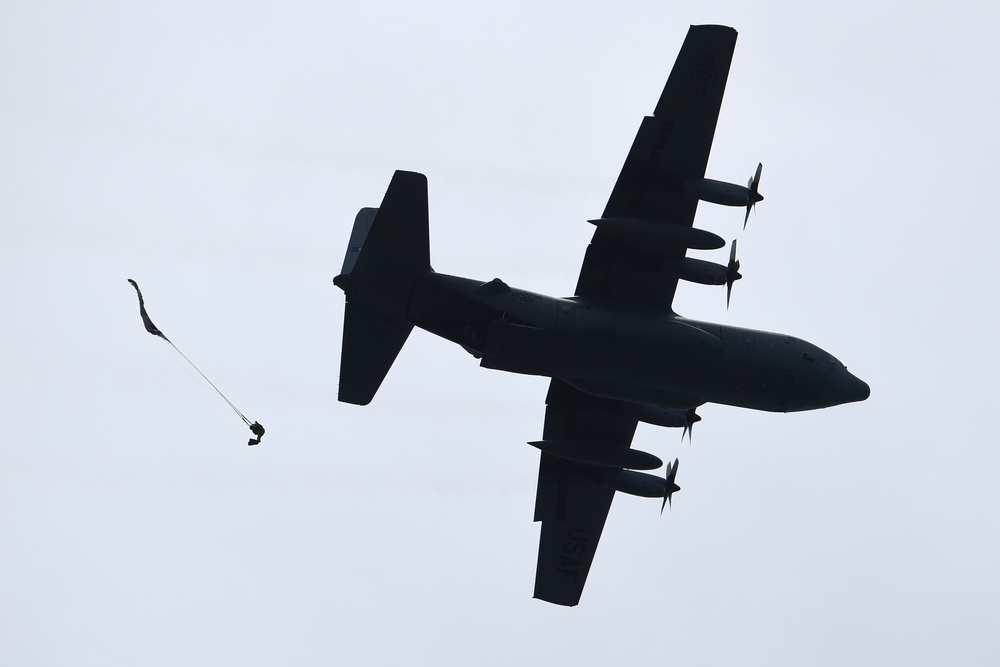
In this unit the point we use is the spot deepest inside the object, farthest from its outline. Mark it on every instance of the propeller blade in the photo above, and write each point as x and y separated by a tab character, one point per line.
755	181
690	418
754	185
671	486
732	273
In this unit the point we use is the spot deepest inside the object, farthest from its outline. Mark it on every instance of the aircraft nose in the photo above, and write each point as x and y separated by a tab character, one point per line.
857	389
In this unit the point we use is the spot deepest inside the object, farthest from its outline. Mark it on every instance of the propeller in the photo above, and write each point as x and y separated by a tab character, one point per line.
671	485
690	417
732	272
755	196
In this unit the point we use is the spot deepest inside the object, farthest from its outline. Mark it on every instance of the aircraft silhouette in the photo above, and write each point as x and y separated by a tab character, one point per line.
616	351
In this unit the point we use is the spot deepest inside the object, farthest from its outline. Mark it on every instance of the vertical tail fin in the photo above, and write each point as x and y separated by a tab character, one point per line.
362	225
389	246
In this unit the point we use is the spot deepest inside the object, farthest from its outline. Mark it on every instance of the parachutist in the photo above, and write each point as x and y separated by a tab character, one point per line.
255	428
258	431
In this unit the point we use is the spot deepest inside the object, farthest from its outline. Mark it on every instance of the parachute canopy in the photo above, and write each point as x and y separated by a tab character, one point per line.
148	323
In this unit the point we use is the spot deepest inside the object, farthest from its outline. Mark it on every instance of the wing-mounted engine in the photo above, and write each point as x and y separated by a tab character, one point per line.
660	236
700	271
726	194
597	455
615	468
642	484
709	273
670	417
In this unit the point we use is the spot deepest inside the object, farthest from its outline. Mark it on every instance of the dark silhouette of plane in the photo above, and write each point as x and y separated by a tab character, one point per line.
616	352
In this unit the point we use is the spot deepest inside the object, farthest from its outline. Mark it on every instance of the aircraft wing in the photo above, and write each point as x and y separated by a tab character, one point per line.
672	145
571	507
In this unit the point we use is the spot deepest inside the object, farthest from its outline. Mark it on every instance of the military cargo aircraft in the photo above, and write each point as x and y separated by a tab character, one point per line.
616	351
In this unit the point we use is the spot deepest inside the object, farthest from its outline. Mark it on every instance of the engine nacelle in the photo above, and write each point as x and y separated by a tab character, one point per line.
660	234
599	455
634	483
669	417
719	192
701	271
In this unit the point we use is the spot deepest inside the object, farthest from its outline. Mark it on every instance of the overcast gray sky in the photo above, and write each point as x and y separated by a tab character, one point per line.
217	152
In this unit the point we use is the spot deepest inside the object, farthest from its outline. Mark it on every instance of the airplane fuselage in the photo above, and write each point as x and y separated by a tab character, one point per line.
630	354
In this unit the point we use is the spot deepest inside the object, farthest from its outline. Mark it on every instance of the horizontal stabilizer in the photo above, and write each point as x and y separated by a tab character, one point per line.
371	343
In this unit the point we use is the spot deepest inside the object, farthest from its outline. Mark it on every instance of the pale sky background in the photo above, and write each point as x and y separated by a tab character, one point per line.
217	153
